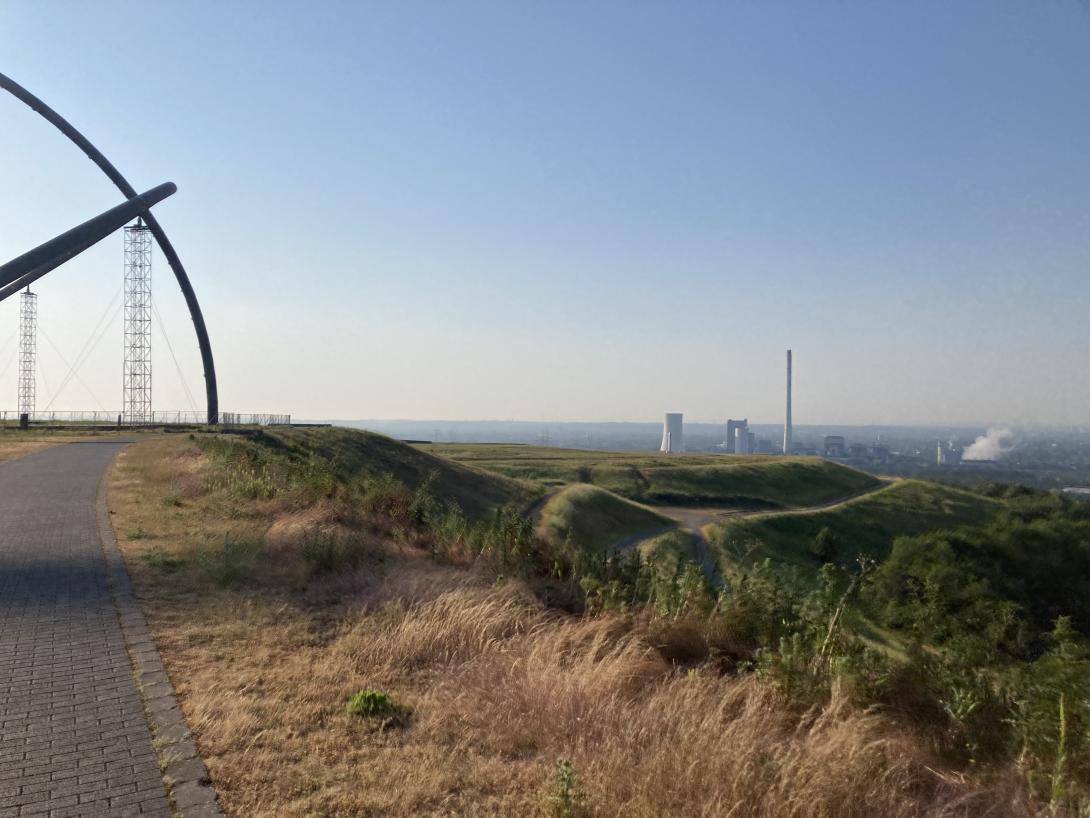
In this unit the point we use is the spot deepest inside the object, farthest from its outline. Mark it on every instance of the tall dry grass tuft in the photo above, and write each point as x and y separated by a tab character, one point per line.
453	627
553	689
647	740
710	746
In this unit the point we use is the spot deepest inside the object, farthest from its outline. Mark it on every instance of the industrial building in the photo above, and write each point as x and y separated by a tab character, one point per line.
739	439
947	454
834	446
672	434
733	427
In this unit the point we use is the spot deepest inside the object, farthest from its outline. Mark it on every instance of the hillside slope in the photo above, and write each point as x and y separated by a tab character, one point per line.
492	703
593	518
865	525
742	481
347	455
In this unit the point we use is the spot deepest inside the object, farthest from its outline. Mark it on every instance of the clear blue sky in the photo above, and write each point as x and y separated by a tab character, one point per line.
596	211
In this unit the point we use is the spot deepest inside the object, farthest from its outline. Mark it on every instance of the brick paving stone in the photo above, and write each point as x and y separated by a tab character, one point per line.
73	736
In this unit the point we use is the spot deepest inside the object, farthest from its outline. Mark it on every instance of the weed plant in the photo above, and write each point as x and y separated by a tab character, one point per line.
232	562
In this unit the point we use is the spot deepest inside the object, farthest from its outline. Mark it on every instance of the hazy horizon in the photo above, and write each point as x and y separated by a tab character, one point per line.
561	212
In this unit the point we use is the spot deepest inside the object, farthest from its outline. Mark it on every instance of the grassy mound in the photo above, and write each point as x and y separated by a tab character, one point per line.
752	481
321	458
594	518
866	525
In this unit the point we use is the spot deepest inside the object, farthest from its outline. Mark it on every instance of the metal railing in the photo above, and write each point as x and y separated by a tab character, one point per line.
10	418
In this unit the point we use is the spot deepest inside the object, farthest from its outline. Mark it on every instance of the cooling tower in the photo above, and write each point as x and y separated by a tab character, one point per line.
672	440
741	441
787	419
732	426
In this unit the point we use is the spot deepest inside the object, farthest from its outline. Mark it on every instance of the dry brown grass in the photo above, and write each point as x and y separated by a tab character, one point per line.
16	443
498	689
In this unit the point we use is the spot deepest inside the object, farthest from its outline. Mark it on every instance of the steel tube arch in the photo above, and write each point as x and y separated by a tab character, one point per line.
30	266
112	173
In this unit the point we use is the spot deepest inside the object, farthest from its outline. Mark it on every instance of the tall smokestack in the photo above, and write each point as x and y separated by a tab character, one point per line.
787	419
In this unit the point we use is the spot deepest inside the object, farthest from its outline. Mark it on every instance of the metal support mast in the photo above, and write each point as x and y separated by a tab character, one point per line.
28	350
136	397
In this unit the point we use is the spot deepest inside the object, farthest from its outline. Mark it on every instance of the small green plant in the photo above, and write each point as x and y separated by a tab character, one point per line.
325	552
376	704
137	533
158	558
566	799
386	496
825	546
424	506
227	565
172	501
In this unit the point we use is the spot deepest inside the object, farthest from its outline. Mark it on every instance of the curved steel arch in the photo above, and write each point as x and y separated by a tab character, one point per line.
93	153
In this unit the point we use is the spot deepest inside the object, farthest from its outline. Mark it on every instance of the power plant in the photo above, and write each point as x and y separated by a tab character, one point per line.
739	438
733	429
672	434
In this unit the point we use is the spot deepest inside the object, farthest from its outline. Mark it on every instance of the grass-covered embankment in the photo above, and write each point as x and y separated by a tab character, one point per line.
864	525
326	461
344	643
739	481
589	517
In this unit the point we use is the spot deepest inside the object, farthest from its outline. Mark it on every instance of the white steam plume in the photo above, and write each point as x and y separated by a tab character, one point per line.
990	446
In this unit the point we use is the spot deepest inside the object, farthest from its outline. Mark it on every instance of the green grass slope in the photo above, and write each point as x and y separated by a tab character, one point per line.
866	525
594	519
350	455
752	481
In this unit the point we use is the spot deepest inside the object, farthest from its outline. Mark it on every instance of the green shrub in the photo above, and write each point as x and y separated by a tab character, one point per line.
423	506
566	799
227	565
172	501
825	546
505	541
158	558
377	704
1050	700
325	552
386	496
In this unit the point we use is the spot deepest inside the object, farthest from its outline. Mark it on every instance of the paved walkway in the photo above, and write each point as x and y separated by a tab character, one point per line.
74	740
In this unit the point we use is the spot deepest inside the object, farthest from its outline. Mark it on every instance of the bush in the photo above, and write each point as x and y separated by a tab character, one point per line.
386	496
325	552
227	565
825	546
172	500
377	705
566	799
158	558
1050	700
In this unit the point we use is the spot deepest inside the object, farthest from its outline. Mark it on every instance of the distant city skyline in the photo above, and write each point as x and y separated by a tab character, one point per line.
572	212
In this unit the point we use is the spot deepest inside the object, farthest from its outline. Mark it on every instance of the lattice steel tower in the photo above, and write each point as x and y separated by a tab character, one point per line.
136	397
28	350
